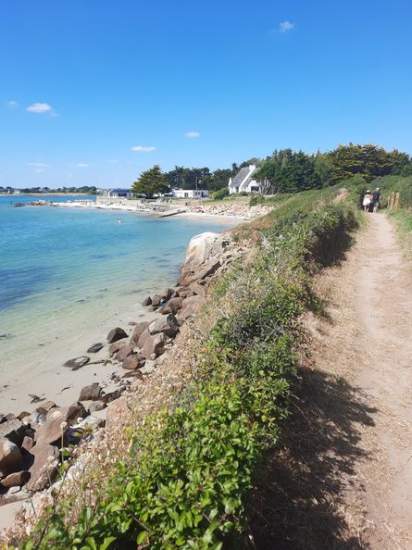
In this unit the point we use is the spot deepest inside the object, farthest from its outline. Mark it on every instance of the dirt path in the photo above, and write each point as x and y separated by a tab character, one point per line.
372	325
346	467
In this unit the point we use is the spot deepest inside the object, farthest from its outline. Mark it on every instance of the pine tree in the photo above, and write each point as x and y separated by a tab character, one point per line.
151	182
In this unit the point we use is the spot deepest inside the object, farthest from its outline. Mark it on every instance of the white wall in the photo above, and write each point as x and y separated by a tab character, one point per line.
190	193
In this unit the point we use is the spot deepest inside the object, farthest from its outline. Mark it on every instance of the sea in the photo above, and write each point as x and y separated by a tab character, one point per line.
68	275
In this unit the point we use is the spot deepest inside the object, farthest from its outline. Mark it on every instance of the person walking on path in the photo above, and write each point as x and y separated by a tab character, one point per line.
367	201
376	197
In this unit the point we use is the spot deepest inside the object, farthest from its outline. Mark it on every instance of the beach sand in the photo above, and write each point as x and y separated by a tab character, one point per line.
47	377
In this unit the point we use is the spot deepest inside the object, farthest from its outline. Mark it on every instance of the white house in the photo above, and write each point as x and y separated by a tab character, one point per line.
190	193
116	193
243	182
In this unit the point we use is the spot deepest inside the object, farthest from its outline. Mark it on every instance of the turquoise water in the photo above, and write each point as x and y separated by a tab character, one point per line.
68	273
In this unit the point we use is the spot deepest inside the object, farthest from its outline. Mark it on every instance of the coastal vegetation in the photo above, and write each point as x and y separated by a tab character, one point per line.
402	215
288	171
190	467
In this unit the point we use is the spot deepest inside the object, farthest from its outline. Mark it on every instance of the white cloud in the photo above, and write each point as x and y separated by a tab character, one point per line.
82	165
143	149
192	134
286	26
40	108
12	104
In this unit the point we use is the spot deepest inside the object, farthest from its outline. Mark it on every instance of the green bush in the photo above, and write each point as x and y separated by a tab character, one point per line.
191	468
220	194
257	199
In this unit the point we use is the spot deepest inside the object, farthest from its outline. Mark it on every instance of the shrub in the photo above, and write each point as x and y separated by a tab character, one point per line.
220	194
257	199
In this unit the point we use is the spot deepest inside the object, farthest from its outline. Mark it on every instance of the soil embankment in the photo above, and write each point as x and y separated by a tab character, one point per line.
345	472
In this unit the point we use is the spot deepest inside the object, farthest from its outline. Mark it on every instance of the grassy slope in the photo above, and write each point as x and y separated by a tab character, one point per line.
403	216
190	470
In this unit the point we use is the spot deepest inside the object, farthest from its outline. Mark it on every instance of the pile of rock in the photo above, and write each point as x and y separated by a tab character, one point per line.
31	443
237	209
207	255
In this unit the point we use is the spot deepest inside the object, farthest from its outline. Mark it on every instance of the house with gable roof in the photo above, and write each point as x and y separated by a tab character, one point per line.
244	181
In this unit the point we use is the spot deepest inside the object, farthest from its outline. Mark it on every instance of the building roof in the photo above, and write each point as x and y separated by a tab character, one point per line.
243	177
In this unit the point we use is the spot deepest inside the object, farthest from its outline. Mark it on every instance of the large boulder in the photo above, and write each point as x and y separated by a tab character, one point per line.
202	257
73	412
44	467
168	325
157	300
10	457
138	331
16	479
53	430
112	392
184	291
13	429
116	347
133	362
190	307
116	334
92	392
147	301
201	247
172	306
151	345
167	293
91	406
123	352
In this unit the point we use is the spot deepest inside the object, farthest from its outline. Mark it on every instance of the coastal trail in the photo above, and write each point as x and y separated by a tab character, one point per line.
345	470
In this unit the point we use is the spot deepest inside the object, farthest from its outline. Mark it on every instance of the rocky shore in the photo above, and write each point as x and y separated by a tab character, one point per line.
233	209
34	445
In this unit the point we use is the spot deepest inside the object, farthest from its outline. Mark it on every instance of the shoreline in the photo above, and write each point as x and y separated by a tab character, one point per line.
114	378
55	382
224	213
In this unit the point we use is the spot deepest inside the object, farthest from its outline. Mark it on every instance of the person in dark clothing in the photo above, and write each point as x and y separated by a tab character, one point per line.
376	197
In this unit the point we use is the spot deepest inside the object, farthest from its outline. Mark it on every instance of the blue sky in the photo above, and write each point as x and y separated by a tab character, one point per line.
83	82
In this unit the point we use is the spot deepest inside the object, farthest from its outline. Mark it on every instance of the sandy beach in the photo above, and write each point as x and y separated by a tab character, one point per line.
50	379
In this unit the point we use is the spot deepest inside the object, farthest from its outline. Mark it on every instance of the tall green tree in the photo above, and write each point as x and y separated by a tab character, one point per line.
289	171
368	161
151	182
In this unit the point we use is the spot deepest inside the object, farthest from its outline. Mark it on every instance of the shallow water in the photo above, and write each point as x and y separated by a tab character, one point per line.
68	274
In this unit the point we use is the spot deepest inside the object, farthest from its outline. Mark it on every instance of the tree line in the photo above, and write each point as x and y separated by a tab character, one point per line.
286	171
290	171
